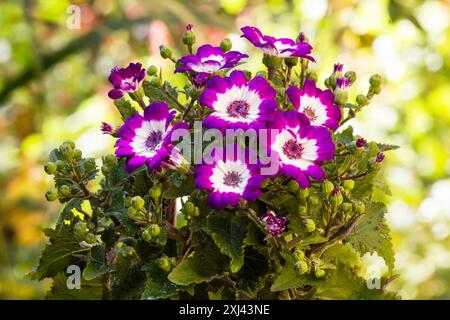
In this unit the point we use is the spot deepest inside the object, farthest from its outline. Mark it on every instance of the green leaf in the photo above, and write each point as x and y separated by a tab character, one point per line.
228	232
89	290
70	205
345	137
157	286
343	253
372	234
290	279
59	254
158	94
345	165
96	265
364	186
343	283
387	147
184	189
204	265
125	108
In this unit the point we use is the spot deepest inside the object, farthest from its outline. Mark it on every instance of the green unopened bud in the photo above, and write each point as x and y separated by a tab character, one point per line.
341	97
272	62
305	193
163	263
301	267
89	164
350	75
313	200
311	76
51	195
359	207
137	202
146	235
106	169
67	146
155	82
64	191
302	210
327	187
77	154
375	80
293	186
337	198
154	230
375	90
327	83
189	38
189	208
60	165
226	45
299	254
319	273
349	184
362	100
165	52
154	192
50	168
152	70
291	61
310	226
90	238
346	207
110	160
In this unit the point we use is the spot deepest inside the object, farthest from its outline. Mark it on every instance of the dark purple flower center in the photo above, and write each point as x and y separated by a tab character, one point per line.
238	109
292	149
232	179
309	112
153	140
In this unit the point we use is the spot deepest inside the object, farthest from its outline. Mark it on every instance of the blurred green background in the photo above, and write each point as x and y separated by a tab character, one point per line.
53	86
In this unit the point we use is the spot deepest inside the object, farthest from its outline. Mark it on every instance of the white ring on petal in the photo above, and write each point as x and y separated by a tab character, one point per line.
139	142
320	110
222	169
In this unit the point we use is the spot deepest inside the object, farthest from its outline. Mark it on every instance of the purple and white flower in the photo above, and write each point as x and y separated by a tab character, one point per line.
274	225
147	139
238	103
209	59
301	148
280	47
127	79
229	179
316	105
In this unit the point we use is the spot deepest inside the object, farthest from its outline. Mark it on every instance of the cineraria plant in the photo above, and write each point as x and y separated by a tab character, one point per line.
239	185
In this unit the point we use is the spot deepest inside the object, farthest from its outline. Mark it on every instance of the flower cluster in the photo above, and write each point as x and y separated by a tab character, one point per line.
300	119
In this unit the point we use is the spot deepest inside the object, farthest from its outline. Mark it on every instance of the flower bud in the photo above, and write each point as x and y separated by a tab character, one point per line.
155	82
106	169
310	226
50	168
375	80
137	202
154	230
154	192
293	186
226	45
351	76
51	195
327	187
301	267
165	52
361	142
349	184
304	193
291	62
189	36
313	200
64	191
362	100
340	97
359	207
346	207
60	165
67	146
319	273
152	70
299	254
77	154
302	210
311	76
110	160
146	235
189	208
163	263
90	238
336	197
380	157
272	62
